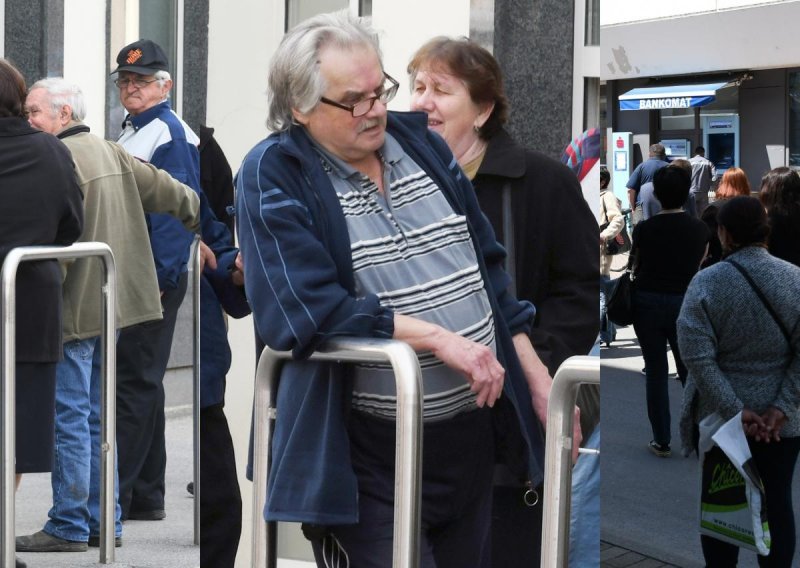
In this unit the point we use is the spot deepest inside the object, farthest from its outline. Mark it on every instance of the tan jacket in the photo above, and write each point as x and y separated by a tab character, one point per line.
613	216
118	190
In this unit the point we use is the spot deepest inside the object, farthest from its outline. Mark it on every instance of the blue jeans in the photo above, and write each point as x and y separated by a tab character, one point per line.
608	329
654	319
76	470
584	532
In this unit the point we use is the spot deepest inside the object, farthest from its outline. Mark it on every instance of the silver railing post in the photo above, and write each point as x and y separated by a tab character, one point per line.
196	275
558	456
108	434
408	444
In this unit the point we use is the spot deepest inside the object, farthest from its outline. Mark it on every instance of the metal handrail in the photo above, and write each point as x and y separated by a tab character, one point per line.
8	314
408	444
195	259
558	456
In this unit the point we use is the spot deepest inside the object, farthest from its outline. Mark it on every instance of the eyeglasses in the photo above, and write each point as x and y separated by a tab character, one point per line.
363	106
123	82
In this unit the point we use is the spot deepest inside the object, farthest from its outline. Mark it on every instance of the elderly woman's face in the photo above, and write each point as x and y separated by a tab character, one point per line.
451	111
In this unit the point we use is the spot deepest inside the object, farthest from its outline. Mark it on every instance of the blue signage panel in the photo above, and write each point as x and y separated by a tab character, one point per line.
672	96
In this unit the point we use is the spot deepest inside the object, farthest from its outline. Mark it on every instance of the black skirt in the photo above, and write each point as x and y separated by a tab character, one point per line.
35	416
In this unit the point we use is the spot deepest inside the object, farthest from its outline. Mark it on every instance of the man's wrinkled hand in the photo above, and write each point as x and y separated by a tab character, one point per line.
477	363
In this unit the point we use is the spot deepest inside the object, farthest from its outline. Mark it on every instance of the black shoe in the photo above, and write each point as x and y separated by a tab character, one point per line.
43	542
190	487
152	515
661	450
94	541
20	564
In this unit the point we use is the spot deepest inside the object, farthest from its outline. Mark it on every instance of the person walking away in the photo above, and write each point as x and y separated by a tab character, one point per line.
651	206
642	174
756	373
667	250
611	223
734	183
704	173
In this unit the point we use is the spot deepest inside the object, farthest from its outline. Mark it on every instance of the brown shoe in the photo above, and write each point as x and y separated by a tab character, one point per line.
43	542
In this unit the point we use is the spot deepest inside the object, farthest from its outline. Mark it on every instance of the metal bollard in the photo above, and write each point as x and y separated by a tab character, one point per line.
196	275
558	456
408	444
108	434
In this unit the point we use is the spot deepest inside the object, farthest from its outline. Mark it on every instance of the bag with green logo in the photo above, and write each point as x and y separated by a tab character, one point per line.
732	502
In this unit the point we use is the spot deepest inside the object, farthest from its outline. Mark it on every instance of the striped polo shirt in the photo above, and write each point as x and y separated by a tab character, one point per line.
415	253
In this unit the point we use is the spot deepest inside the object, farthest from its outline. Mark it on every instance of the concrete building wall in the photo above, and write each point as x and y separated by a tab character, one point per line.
763	125
534	44
754	37
85	60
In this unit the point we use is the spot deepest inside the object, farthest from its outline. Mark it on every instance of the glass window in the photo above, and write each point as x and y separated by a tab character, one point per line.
591	102
794	119
299	10
727	101
592	17
158	22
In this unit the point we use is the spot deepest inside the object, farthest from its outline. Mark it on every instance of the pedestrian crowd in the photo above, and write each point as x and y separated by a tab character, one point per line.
434	227
715	282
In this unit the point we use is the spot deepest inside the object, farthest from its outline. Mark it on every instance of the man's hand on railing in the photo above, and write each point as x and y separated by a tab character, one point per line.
475	361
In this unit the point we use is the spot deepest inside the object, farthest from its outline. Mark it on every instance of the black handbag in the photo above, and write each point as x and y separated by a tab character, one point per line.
619	305
619	244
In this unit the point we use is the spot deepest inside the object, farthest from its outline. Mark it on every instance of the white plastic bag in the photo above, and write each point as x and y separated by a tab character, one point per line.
732	502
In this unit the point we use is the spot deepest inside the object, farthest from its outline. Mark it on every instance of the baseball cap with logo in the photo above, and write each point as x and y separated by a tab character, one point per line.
143	56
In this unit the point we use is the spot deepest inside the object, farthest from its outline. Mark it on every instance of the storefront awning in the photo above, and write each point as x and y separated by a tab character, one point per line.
674	96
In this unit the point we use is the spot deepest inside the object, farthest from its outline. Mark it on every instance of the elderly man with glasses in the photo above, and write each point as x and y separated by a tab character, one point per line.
356	221
154	133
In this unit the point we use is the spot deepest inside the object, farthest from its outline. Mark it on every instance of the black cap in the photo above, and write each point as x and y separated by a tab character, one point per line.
144	57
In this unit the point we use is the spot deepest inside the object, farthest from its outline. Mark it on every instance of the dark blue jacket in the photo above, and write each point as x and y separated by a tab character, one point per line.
160	137
217	293
299	280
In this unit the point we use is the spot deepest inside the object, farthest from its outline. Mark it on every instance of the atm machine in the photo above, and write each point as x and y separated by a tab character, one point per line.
721	140
677	148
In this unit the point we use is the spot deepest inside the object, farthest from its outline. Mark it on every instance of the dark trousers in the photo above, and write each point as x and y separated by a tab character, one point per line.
516	529
220	499
142	356
775	463
457	467
654	320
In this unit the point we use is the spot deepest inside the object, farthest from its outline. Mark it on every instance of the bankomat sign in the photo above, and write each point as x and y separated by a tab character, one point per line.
657	104
670	96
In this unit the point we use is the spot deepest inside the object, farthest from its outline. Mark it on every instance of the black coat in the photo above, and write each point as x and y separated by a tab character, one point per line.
216	177
555	240
42	204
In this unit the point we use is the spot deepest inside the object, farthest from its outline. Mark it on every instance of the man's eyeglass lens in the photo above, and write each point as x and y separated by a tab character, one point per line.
138	83
362	107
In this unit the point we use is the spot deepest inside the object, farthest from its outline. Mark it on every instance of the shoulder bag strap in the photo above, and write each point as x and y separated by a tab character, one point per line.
761	297
605	211
508	237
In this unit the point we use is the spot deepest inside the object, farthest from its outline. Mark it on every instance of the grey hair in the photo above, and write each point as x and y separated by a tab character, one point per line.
62	92
295	80
162	77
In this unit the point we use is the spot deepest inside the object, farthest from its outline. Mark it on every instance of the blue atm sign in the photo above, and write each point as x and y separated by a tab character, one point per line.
670	96
664	103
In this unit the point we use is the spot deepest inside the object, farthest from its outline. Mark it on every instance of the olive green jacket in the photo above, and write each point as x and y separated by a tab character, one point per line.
118	190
